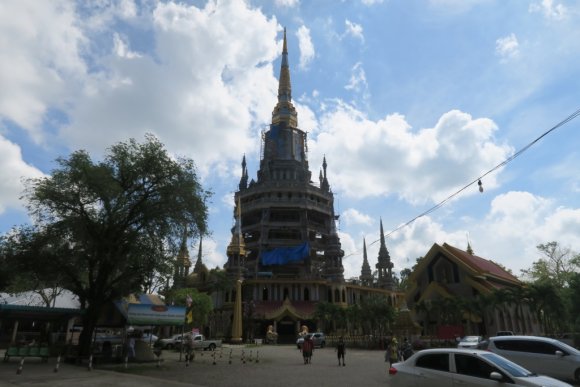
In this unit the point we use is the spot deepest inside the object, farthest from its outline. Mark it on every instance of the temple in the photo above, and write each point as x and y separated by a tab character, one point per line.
285	248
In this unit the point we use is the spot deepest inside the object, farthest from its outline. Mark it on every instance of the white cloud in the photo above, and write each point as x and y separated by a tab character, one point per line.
41	62
549	9
121	48
507	47
380	158
519	221
287	3
354	217
355	30
371	2
306	47
358	79
14	169
223	52
352	261
516	223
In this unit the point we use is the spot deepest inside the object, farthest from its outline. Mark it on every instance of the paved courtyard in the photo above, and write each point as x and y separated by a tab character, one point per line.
279	366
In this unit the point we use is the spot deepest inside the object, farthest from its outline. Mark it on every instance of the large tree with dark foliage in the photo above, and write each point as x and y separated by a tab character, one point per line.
102	228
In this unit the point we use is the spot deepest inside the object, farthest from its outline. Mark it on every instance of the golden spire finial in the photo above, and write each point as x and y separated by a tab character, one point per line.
284	110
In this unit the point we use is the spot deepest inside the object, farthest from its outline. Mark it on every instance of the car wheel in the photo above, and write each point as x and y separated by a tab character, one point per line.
212	347
322	344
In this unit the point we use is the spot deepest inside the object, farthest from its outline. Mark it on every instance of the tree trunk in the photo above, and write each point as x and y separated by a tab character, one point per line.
89	324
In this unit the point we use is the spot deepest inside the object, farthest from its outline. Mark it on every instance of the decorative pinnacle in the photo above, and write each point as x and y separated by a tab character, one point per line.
284	110
382	234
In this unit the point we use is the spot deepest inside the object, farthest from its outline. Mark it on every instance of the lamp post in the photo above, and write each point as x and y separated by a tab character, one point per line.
237	250
237	323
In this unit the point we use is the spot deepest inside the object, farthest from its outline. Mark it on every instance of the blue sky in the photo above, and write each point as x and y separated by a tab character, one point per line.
408	100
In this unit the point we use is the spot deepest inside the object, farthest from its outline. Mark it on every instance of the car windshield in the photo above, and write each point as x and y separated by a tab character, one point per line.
470	338
512	368
568	348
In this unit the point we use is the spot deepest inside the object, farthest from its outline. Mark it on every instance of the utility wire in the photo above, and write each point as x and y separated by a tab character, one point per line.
477	179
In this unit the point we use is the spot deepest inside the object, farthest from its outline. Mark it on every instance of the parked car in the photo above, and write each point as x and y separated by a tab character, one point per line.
201	342
444	367
172	341
149	338
539	354
318	337
504	333
572	339
469	341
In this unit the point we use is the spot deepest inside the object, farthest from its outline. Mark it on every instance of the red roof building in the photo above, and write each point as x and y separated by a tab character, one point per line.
453	287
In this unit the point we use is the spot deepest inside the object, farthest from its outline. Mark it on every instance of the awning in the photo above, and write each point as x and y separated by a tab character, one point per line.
37	312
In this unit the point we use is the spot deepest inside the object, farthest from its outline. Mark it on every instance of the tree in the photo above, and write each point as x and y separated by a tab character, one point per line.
556	265
101	229
378	316
201	305
551	288
404	284
325	312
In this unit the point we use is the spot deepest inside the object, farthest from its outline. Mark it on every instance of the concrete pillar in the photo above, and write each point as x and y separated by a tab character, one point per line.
14	332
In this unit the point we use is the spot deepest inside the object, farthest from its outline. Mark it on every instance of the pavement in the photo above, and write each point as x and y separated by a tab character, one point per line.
235	366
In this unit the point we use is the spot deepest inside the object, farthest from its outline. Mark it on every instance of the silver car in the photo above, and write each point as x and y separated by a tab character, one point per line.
444	367
469	342
319	340
539	354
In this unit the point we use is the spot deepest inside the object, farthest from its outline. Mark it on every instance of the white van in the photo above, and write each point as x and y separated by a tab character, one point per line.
539	354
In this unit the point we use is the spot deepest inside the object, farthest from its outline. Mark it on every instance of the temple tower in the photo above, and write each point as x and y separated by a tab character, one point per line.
182	264
287	221
384	264
366	276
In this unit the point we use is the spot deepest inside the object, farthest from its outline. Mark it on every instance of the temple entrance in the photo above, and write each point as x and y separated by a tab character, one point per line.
287	331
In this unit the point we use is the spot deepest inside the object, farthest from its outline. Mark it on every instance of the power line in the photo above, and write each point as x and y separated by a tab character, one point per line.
478	179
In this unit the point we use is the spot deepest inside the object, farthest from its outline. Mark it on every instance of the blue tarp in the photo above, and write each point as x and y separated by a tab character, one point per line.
284	255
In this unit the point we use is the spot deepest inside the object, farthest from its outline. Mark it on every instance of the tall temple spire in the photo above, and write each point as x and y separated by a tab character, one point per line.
366	275
324	182
383	244
384	264
244	179
198	264
182	263
284	112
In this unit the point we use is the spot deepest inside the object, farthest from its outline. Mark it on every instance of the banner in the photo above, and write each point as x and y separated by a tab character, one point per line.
284	255
147	314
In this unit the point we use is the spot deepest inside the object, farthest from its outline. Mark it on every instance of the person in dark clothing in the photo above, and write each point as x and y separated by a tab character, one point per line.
341	350
406	349
307	349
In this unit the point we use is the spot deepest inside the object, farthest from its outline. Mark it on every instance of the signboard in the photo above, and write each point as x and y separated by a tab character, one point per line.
147	314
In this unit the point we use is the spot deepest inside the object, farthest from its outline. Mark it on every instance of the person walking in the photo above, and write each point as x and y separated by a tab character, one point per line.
307	349
341	350
188	348
406	349
392	354
131	345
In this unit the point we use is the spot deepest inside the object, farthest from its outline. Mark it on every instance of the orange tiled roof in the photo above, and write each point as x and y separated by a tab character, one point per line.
481	265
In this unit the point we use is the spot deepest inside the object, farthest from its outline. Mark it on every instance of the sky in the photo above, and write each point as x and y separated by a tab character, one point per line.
409	101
